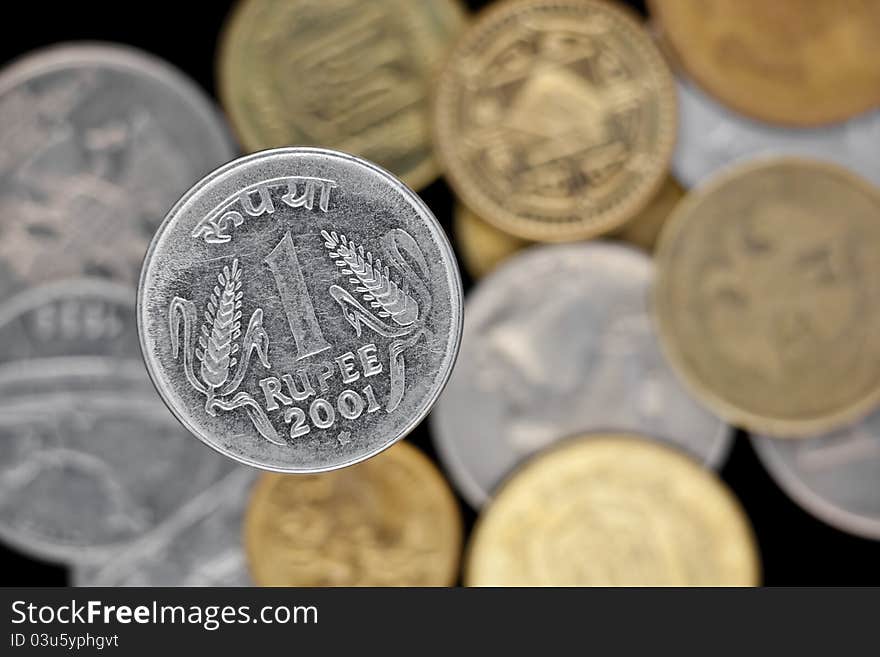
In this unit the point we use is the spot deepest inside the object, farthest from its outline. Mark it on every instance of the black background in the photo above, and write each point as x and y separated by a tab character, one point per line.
796	548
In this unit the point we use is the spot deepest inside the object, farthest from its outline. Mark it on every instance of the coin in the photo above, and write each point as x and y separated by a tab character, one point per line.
90	459
482	247
795	62
391	521
557	342
200	546
766	296
555	119
612	510
98	142
834	477
300	310
643	230
712	137
342	74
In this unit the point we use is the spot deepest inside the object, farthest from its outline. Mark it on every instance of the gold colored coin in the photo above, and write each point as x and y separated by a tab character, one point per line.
482	246
767	296
555	119
613	510
388	521
644	229
343	74
797	62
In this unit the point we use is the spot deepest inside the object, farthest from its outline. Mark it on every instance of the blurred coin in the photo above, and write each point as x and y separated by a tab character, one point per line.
612	510
90	459
391	521
558	342
644	229
555	119
711	137
482	247
767	296
200	546
96	143
343	74
836	477
300	310
798	62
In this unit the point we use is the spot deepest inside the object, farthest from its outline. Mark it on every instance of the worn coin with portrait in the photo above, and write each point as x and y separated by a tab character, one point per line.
767	295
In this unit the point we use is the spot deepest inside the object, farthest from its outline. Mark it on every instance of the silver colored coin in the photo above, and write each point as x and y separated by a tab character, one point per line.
300	310
835	477
712	137
90	459
200	546
96	143
559	342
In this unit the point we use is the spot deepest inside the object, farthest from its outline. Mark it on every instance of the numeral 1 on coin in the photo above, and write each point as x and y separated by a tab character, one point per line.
295	299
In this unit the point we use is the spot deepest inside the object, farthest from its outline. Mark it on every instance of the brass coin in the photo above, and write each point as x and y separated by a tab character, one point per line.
613	510
342	74
555	119
389	521
644	229
768	296
482	247
797	62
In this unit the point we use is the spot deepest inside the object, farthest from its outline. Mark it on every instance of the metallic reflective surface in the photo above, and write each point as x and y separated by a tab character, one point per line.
767	296
555	119
96	144
341	74
558	342
390	521
711	137
90	459
201	546
613	510
300	310
836	477
797	62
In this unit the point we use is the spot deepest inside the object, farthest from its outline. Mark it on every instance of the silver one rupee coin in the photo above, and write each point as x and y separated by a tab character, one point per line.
96	144
559	342
300	310
200	546
835	477
711	137
90	458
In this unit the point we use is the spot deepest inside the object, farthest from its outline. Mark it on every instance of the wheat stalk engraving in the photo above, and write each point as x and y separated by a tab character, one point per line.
217	346
372	280
222	327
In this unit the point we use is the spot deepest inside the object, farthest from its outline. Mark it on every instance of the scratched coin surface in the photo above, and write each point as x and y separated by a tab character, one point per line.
342	74
390	521
300	310
613	510
797	62
200	546
90	458
767	296
555	119
96	144
558	342
712	137
835	476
